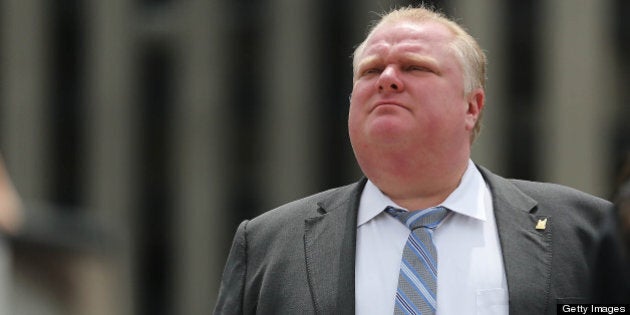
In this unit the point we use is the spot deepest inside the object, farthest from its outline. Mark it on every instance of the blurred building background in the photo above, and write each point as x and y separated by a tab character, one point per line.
139	133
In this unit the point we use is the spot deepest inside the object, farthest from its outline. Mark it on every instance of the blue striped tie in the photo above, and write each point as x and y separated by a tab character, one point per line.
417	282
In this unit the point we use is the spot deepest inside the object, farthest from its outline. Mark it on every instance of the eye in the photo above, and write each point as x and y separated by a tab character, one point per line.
371	71
418	68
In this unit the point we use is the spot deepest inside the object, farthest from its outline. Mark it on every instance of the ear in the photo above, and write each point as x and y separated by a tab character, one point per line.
475	102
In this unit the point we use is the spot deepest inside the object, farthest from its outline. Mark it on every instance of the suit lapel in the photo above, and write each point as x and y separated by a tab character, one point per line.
329	245
526	250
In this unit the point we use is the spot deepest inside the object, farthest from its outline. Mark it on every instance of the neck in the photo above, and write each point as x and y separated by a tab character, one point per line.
415	184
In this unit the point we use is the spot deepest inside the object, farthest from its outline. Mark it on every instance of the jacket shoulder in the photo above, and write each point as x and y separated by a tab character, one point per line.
559	193
298	210
549	199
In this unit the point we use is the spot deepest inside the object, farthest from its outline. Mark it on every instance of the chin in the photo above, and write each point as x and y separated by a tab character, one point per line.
388	131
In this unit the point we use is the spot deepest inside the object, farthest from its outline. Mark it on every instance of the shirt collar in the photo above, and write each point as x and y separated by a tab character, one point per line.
467	199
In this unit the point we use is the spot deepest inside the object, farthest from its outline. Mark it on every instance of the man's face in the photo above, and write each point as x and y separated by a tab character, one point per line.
408	91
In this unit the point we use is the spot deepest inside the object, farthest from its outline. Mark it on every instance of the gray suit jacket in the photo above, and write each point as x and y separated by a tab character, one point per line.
299	258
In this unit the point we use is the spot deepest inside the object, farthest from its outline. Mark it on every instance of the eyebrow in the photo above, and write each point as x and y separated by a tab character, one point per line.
369	60
416	58
406	58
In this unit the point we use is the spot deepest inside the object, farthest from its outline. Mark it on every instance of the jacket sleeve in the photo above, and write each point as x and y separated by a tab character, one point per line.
230	299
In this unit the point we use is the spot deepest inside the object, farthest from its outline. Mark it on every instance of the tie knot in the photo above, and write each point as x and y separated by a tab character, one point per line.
428	218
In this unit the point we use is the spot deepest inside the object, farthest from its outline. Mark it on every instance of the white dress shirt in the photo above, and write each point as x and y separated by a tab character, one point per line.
471	277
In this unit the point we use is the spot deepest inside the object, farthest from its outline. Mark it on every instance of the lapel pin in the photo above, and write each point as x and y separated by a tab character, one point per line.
542	224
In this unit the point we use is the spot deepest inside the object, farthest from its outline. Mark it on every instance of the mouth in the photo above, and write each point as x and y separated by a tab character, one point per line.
388	104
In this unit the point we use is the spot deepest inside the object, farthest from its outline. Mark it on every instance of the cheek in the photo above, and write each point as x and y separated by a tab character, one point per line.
355	121
362	89
357	99
440	117
355	117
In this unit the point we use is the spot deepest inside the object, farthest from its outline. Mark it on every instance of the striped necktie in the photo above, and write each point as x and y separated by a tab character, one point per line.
417	281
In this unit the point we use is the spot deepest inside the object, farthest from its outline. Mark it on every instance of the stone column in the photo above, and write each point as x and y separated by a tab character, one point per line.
111	163
290	117
578	95
23	125
200	155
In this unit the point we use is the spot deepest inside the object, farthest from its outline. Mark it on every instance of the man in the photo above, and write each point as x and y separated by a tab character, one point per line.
503	246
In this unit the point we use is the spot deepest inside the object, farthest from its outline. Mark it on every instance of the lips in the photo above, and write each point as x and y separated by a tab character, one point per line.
388	103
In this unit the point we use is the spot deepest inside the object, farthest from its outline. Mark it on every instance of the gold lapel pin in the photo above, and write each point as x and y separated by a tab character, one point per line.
542	224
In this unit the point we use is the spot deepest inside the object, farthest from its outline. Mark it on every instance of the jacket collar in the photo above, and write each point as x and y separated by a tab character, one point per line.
330	246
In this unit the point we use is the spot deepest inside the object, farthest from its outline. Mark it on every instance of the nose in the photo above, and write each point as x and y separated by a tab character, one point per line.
389	81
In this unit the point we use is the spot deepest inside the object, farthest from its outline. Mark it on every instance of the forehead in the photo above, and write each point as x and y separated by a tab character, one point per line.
408	35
